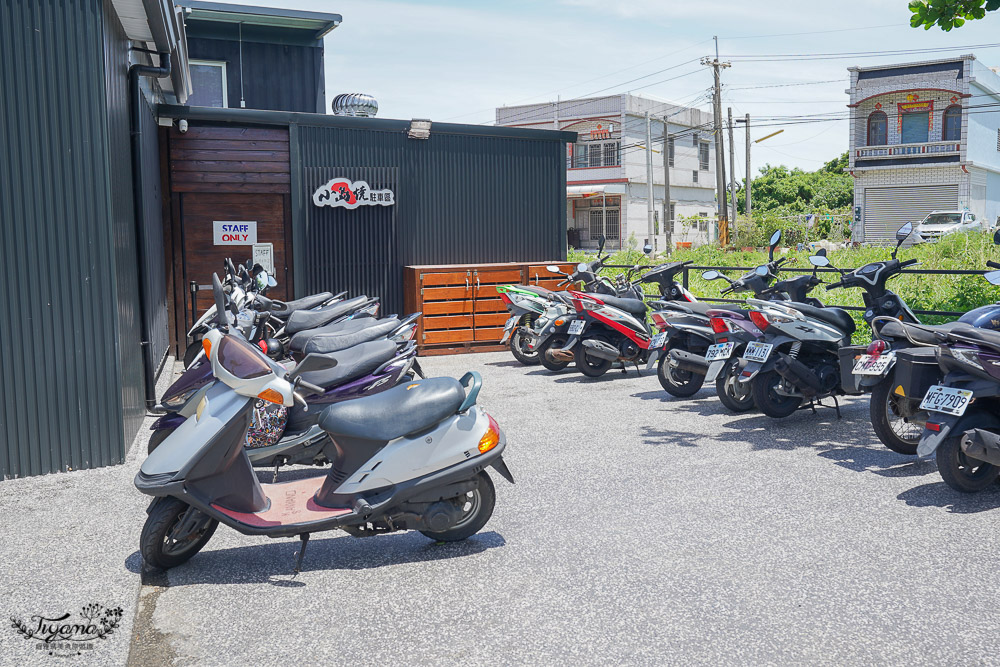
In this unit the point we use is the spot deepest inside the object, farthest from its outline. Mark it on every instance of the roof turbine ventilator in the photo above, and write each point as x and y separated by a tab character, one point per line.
355	104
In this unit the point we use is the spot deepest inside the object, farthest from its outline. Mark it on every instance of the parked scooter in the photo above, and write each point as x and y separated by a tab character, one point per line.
962	429
686	337
900	364
524	303
413	458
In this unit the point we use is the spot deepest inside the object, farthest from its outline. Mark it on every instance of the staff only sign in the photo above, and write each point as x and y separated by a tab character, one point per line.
351	194
234	232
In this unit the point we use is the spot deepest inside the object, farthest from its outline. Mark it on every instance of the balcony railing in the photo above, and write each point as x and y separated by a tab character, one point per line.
905	150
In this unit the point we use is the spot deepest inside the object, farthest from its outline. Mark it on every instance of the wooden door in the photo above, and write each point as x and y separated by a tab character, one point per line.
447	306
201	257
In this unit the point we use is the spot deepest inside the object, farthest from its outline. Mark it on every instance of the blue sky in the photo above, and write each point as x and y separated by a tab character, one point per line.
457	61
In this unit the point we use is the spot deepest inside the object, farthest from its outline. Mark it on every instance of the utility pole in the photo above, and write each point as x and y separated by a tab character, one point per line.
649	180
668	221
720	163
732	171
746	121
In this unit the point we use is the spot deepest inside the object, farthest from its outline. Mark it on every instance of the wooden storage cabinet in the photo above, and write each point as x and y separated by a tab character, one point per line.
462	310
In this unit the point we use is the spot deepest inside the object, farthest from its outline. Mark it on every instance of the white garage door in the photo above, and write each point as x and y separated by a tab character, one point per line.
888	209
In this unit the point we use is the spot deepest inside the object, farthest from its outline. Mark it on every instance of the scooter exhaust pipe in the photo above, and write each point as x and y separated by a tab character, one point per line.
691	363
598	348
556	354
982	445
798	374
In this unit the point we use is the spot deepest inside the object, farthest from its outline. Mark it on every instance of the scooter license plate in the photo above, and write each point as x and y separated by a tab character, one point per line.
757	351
719	351
658	341
576	327
869	365
947	400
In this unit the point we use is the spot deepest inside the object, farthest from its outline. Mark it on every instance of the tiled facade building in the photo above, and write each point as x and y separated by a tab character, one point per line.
924	136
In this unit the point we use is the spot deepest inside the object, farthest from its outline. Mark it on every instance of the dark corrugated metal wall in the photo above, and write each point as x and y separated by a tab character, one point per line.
461	199
116	62
155	271
57	281
267	69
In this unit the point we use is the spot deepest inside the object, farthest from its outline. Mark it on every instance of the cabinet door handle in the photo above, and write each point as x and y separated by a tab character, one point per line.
477	280
466	280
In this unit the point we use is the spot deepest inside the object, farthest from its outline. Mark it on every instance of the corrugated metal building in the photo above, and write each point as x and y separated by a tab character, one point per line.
94	280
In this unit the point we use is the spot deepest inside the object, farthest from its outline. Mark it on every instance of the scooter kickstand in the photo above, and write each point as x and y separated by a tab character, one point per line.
277	464
836	406
302	551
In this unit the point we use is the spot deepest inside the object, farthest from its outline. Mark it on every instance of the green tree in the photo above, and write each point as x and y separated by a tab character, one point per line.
949	14
779	189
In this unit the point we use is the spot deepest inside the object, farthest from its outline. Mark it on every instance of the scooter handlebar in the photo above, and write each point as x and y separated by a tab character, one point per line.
993	265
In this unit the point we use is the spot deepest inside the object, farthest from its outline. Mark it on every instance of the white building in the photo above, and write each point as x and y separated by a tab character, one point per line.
924	136
606	169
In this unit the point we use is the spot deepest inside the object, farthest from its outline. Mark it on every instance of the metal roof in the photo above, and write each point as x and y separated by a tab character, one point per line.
319	23
158	23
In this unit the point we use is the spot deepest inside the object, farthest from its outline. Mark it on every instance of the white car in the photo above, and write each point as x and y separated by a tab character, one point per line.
939	223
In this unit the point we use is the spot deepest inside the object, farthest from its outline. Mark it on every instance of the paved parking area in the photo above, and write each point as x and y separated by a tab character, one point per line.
642	529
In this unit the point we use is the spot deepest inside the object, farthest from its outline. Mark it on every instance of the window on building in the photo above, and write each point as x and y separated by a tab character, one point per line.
596	154
694	176
670	151
208	84
703	223
605	221
951	124
878	129
673	212
914	128
695	138
703	156
611	149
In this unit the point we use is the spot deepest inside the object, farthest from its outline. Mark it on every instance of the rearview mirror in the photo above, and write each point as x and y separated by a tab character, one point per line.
996	237
762	271
552	268
903	232
600	248
646	249
819	260
583	267
313	362
821	252
993	277
711	275
775	237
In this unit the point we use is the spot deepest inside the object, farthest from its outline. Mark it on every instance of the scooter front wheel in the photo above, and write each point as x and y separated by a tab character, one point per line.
519	348
173	533
477	508
960	471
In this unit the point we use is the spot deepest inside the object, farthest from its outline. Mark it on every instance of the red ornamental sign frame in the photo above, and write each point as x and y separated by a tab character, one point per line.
345	193
915	107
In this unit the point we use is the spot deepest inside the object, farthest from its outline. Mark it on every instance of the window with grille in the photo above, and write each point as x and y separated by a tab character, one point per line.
703	224
951	124
611	154
596	154
703	156
878	125
694	176
611	227
670	150
695	138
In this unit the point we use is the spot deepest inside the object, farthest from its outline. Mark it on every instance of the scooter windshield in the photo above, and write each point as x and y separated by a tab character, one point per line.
241	359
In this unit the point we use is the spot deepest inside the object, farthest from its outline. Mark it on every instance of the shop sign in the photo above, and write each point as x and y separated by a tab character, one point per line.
351	194
263	254
234	232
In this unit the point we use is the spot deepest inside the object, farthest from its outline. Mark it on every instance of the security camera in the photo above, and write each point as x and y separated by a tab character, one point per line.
182	125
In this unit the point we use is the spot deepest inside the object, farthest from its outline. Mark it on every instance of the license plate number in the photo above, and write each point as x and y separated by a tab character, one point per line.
867	365
576	327
719	351
757	351
947	400
658	341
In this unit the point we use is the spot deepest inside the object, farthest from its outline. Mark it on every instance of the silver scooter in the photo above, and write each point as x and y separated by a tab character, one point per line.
411	458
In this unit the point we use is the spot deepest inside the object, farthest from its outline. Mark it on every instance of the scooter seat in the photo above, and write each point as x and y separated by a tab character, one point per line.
920	333
353	325
282	309
407	408
698	307
353	363
310	319
836	317
326	343
634	306
986	337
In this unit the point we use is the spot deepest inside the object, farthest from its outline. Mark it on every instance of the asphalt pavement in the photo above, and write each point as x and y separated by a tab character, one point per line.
642	530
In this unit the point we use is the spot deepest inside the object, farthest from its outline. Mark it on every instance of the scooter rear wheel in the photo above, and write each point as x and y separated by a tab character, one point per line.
885	410
677	382
764	388
519	348
961	472
736	396
477	507
173	533
592	367
555	341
